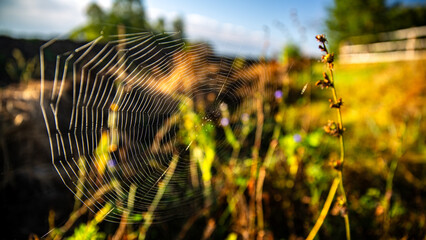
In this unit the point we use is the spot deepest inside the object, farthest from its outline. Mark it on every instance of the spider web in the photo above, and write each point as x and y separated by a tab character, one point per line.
112	114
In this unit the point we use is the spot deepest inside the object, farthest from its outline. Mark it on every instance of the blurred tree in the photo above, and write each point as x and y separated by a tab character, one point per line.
95	13
290	54
129	13
178	26
402	16
160	26
90	31
354	18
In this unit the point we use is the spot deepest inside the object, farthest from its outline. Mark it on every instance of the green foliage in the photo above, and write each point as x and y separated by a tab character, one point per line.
401	16
20	68
292	168
300	172
199	137
291	52
354	18
125	16
370	200
160	25
178	26
87	231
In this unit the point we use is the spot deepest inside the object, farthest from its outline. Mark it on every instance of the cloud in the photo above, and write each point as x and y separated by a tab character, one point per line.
155	13
204	27
52	17
227	38
43	16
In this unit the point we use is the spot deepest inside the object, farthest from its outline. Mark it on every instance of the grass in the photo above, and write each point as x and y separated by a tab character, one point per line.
275	175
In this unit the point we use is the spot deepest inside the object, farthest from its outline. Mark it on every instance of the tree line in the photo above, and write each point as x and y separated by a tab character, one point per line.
124	14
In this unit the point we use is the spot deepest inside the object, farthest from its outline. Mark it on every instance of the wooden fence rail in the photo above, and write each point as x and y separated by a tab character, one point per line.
401	45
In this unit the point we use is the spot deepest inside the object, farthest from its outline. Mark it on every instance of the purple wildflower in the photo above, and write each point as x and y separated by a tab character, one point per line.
278	94
297	138
245	117
224	122
111	163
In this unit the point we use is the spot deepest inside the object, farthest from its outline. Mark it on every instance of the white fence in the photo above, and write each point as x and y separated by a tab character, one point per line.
401	45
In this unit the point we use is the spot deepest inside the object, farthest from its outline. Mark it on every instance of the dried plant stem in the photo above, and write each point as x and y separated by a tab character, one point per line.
259	208
345	215
211	225
387	197
324	210
255	161
123	223
83	209
149	215
339	179
342	158
261	180
389	184
327	82
190	222
254	166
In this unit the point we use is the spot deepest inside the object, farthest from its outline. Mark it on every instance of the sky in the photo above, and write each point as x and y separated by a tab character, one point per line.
237	27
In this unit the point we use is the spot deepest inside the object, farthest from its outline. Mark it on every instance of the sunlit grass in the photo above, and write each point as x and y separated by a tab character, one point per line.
383	115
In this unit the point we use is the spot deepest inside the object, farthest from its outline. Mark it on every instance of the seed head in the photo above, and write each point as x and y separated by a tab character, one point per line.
337	165
324	83
338	104
328	58
321	38
333	129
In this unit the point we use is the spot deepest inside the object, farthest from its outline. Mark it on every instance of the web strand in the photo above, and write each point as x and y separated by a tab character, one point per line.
113	116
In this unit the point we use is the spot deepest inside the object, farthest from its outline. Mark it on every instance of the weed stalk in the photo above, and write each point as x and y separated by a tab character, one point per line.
335	130
389	182
162	185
